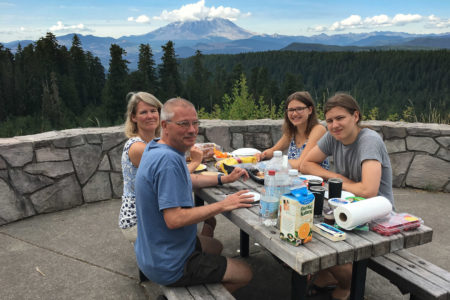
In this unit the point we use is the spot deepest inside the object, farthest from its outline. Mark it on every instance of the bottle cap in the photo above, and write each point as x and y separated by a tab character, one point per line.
293	172
271	172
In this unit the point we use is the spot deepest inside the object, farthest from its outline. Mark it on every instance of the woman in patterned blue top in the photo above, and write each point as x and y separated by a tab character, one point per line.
142	124
301	130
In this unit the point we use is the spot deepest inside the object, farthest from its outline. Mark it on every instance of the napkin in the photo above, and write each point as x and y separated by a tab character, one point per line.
357	213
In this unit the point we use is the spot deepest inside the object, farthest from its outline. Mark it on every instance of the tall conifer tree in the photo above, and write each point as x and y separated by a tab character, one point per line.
116	87
169	76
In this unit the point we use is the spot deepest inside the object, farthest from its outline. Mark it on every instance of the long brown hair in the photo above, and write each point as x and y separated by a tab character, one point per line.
345	101
288	128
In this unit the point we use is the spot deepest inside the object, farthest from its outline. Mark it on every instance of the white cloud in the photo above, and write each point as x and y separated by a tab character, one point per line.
198	11
140	19
356	21
401	19
353	21
60	27
436	22
380	20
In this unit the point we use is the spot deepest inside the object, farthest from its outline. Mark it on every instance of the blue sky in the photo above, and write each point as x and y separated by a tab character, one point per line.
26	19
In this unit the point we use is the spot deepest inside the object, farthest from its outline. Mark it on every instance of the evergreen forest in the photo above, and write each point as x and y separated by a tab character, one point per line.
45	86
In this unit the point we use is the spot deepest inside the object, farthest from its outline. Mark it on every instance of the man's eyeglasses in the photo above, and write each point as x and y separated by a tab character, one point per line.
186	124
298	109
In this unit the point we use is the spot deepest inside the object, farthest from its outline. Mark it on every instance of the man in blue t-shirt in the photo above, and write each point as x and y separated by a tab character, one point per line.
168	250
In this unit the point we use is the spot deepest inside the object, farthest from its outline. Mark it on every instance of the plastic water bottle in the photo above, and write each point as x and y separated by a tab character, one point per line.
274	163
282	177
294	181
269	201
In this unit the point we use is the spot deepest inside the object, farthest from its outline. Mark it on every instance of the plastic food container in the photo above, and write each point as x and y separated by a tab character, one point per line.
208	150
395	223
335	202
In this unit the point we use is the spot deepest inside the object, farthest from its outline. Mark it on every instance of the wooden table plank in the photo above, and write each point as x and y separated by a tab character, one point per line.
328	255
362	247
397	242
380	244
419	236
345	252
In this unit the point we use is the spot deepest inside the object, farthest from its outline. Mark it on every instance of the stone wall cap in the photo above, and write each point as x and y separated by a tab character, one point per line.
9	141
406	124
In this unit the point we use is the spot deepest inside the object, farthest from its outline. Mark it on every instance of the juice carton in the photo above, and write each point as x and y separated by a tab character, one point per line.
296	216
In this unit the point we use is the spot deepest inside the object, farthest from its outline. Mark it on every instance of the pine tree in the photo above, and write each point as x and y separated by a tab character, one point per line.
116	87
51	111
198	84
79	73
146	66
169	76
6	82
95	79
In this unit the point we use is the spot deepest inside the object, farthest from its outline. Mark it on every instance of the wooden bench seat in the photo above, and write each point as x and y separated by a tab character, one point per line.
195	292
414	275
203	291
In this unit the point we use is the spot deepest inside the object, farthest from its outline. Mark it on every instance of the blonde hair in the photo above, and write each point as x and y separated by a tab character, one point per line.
133	98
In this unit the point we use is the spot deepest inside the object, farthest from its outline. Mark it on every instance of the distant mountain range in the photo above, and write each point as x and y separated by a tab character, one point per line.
220	36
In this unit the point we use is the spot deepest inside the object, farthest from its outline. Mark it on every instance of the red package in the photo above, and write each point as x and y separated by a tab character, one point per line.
395	223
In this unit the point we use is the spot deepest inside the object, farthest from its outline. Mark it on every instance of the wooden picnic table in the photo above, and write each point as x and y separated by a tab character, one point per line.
318	254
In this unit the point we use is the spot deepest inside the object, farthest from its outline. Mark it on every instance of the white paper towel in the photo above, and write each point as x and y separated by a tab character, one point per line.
357	213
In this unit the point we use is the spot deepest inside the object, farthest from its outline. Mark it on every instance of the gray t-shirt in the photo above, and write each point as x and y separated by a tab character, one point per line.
348	159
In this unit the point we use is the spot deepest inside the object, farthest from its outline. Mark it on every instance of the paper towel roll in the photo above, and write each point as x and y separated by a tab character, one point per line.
357	213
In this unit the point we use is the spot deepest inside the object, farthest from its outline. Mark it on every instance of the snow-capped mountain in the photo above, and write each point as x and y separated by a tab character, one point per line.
199	30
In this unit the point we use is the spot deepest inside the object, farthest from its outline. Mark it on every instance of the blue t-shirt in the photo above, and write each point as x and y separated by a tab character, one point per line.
162	181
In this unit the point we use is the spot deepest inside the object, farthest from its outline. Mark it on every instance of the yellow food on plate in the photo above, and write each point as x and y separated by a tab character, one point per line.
231	161
200	167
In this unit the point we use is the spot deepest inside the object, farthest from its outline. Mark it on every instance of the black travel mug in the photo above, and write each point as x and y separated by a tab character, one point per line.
334	188
319	193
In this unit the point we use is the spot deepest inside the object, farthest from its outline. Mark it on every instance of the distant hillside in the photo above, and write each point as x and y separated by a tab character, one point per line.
334	48
323	48
432	42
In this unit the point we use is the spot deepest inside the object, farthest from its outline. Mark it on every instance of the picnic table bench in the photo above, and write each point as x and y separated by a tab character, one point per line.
194	292
413	275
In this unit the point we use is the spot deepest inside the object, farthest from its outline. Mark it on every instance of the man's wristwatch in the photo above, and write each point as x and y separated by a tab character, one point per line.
219	179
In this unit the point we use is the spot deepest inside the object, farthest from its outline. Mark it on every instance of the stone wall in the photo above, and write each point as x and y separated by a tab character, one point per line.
61	169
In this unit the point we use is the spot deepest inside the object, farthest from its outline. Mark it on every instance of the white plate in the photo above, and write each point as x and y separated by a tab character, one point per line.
256	196
344	194
309	177
245	152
